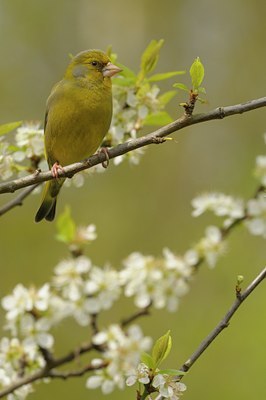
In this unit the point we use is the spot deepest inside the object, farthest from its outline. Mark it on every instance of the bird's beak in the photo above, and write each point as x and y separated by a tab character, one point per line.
111	70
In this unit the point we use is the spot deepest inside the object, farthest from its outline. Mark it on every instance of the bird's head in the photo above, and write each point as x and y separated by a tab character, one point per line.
91	64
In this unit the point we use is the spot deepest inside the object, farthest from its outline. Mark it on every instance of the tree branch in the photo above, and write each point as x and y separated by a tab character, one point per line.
78	373
140	313
17	201
224	323
155	137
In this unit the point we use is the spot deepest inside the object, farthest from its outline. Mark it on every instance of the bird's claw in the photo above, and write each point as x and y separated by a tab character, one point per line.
104	150
55	168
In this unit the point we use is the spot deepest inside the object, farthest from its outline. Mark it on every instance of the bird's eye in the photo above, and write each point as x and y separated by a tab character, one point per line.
94	63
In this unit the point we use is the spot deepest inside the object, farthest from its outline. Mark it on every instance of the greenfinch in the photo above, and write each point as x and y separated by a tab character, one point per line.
78	116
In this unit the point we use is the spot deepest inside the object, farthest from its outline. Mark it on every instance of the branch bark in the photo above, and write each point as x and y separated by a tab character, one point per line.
155	137
17	201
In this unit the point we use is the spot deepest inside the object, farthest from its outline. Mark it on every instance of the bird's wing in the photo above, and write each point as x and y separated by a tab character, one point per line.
45	119
50	100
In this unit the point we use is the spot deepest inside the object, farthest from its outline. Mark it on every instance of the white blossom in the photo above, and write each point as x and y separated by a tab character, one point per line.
7	166
103	284
256	210
86	233
122	350
36	331
159	281
30	138
260	170
168	388
21	393
16	358
4	377
131	106
220	204
32	312
70	276
102	380
211	246
23	300
82	309
141	375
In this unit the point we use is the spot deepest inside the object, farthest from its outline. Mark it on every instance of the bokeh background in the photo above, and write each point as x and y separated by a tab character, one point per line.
148	207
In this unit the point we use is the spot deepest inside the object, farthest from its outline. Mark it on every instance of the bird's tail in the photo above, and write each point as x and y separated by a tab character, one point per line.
48	206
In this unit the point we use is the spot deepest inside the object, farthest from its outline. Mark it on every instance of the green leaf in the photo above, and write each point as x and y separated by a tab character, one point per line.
66	227
202	101
181	86
5	128
111	55
126	77
165	75
148	360
171	372
121	81
196	73
159	118
126	72
162	348
166	97
150	57
12	148
202	90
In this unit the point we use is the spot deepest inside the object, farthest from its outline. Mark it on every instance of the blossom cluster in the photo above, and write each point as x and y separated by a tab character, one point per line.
220	204
132	106
18	156
165	384
252	212
123	350
157	281
16	359
80	290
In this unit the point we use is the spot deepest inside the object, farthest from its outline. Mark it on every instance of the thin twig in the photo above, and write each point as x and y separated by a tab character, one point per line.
224	323
155	137
240	298
75	374
17	201
141	313
72	355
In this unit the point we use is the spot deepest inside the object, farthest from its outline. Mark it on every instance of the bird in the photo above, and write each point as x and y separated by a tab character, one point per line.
78	116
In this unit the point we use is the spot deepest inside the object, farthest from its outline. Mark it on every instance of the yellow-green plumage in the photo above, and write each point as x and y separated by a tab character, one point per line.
78	116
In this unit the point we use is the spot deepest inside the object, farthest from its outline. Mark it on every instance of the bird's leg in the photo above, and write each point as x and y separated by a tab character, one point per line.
55	168
104	150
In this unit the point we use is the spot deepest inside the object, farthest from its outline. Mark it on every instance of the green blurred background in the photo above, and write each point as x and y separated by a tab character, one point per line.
147	207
